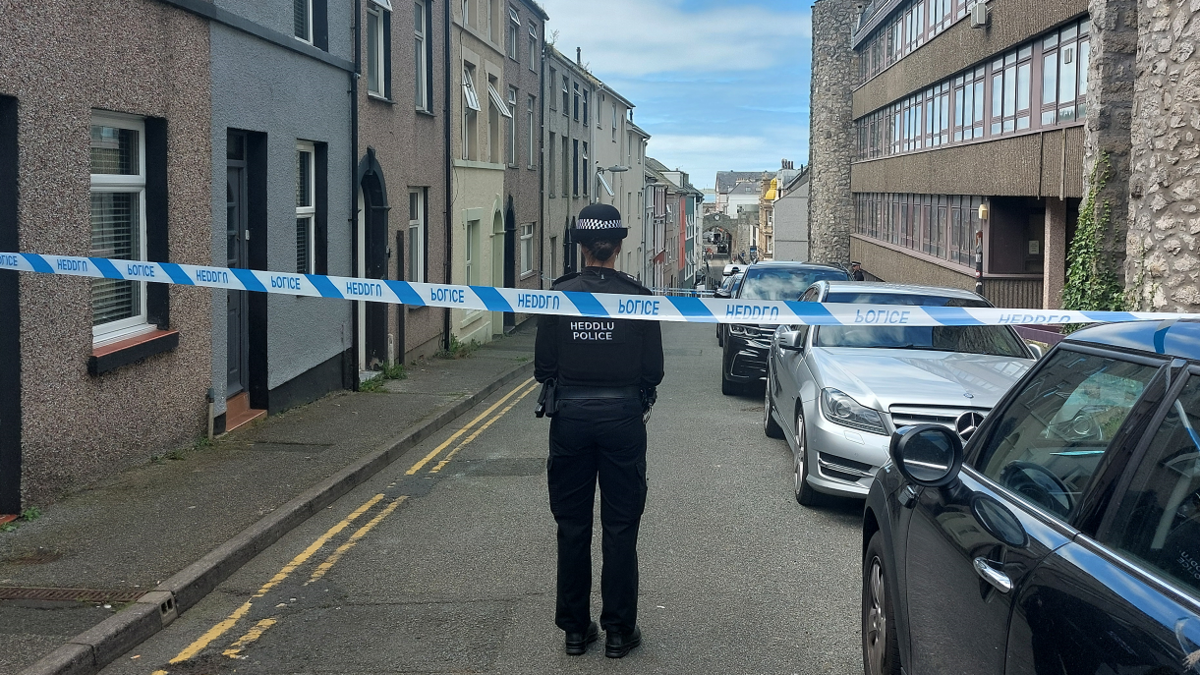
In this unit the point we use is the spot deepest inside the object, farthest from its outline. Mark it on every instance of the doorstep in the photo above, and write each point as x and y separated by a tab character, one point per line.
238	412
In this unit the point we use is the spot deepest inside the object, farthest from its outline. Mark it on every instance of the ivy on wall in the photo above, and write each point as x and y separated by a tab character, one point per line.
1093	283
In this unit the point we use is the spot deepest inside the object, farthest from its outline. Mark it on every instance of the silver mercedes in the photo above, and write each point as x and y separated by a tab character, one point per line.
836	393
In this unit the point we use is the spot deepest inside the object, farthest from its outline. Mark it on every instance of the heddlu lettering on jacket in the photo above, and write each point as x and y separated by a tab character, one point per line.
596	331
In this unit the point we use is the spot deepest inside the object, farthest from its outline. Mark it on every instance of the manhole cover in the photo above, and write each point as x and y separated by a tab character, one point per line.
308	448
68	594
38	557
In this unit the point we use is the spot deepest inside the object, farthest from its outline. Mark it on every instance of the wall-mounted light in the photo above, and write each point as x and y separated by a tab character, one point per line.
983	211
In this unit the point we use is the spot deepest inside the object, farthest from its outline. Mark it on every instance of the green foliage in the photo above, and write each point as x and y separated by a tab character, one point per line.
458	349
1093	282
375	384
29	515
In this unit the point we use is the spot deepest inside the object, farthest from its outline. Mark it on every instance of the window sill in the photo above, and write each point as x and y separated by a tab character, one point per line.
131	350
380	99
527	275
426	113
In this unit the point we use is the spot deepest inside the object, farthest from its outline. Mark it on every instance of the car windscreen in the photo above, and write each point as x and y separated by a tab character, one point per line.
991	340
783	283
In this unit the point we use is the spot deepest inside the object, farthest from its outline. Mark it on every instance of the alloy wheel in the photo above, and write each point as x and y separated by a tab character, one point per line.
801	452
875	628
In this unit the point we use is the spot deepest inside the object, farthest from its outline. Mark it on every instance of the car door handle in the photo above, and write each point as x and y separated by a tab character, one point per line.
983	567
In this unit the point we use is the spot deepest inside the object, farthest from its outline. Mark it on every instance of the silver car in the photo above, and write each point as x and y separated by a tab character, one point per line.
836	393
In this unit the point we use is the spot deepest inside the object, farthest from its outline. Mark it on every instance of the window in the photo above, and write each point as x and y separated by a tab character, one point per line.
551	175
496	110
586	105
575	167
416	236
306	208
512	127
1158	519
118	196
472	270
566	95
493	21
614	122
514	34
1050	440
566	167
1065	56
576	101
940	225
471	112
421	48
379	50
303	20
532	149
587	169
527	248
553	79
466	12
534	52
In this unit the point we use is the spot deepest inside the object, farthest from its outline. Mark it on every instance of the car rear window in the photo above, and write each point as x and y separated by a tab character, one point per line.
989	340
784	284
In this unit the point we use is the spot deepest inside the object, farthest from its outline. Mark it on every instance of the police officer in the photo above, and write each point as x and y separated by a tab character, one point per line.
604	373
856	271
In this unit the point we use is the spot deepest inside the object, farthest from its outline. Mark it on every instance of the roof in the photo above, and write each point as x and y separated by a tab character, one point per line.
745	189
537	9
901	289
726	180
638	130
1171	338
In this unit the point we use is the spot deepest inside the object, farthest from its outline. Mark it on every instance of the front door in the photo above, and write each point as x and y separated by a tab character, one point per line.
237	249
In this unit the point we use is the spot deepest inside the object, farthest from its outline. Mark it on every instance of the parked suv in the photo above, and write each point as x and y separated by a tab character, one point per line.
1065	536
744	359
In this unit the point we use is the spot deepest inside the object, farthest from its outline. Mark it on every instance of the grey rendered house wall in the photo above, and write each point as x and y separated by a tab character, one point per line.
561	208
261	87
791	225
523	179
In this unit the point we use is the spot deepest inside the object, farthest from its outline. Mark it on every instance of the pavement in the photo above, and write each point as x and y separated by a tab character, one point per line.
104	569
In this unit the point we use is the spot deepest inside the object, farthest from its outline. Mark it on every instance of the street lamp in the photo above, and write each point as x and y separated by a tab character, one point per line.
600	176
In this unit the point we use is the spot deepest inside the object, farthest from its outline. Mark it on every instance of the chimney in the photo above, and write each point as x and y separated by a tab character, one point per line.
579	55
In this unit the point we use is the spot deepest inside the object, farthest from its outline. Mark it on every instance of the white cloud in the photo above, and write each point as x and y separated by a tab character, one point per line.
640	37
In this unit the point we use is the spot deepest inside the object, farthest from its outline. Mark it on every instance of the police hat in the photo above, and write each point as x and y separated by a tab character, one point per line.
599	221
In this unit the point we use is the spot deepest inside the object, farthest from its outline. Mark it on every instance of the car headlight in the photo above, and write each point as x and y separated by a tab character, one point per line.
739	329
841	409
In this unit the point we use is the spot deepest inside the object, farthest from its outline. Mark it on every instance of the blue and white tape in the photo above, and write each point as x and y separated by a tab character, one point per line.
592	305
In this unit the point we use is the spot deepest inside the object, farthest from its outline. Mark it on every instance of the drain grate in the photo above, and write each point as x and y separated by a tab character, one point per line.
38	557
68	594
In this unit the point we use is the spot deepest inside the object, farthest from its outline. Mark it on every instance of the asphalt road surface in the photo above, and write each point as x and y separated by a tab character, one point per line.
444	562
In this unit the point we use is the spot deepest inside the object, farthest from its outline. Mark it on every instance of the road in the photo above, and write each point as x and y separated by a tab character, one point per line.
444	562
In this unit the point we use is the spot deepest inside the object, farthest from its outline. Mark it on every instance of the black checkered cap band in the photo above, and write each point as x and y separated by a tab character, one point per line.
590	224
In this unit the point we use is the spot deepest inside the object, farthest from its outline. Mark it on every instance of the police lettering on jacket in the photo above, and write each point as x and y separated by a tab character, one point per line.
582	331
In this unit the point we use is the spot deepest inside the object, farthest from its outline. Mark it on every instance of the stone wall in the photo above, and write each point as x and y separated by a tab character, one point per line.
831	136
1163	265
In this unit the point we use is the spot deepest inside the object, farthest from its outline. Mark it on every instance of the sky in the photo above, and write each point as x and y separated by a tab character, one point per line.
721	85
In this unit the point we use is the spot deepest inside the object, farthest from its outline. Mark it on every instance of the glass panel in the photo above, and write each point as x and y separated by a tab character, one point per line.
1008	125
1085	55
1066	79
1023	122
302	245
1070	32
1025	52
1050	79
979	91
374	49
1010	91
1049	441
304	195
419	17
414	253
300	18
1158	521
116	225
1050	42
1048	118
115	151
1023	85
998	94
235	147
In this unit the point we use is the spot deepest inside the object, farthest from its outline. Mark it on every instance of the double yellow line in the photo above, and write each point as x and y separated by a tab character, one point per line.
235	649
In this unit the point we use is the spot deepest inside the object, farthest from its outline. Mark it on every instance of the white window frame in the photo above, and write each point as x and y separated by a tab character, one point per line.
466	12
532	132
421	92
514	35
513	158
309	211
614	122
138	323
416	236
526	249
469	252
471	110
585	168
375	80
307	38
534	52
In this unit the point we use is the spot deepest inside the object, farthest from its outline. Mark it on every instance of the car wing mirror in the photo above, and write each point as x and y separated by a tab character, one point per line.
1038	353
791	340
928	455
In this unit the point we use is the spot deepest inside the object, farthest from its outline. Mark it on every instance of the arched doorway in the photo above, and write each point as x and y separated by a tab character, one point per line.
510	257
372	263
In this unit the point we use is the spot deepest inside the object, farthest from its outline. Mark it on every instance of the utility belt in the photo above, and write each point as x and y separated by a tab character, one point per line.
552	393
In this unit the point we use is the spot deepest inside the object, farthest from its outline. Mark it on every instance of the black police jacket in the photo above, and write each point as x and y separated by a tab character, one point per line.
599	352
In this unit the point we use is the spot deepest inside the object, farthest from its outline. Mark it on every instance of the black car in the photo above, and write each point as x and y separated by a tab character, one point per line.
744	360
724	292
1064	538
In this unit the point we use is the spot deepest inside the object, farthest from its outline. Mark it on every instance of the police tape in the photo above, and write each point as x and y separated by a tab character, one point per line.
522	301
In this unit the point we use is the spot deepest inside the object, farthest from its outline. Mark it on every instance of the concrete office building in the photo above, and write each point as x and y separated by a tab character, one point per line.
525	25
281	168
403	160
479	113
957	127
568	142
101	155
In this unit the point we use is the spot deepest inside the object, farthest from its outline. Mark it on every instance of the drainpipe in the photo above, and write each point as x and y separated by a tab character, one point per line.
447	220
542	164
354	181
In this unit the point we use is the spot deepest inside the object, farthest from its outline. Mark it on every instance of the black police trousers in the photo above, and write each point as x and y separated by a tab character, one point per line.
590	439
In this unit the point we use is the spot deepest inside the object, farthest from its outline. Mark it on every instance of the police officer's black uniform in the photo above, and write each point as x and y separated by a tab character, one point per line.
603	369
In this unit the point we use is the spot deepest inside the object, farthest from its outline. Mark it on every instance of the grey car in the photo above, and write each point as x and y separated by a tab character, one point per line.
837	393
